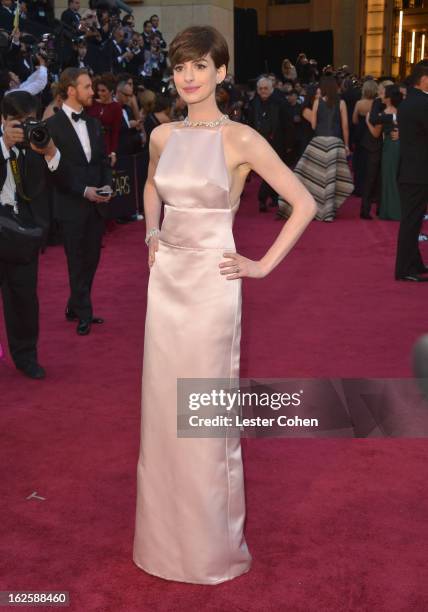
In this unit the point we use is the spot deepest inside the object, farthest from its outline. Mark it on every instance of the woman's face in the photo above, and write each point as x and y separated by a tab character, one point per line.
381	92
103	94
196	80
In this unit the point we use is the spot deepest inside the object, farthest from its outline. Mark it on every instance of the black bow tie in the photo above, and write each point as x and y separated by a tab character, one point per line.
77	116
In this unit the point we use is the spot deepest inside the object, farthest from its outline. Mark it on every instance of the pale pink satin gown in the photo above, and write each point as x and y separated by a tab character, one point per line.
190	491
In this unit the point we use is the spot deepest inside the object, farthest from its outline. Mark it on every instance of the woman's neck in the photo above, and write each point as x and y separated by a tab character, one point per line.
204	111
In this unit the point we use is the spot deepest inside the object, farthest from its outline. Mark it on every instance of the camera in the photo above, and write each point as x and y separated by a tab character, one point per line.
36	133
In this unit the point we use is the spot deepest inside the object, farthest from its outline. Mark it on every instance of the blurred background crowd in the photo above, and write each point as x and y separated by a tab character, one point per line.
336	129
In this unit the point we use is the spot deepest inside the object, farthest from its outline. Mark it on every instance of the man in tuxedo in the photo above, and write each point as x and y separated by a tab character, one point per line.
155	29
120	53
413	176
71	16
81	207
147	34
26	199
130	136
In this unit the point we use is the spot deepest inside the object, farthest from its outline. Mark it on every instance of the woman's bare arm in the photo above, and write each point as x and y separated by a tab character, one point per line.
315	114
344	122
307	114
375	130
152	201
256	152
356	113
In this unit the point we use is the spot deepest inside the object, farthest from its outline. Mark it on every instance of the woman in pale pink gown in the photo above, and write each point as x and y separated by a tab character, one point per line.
190	491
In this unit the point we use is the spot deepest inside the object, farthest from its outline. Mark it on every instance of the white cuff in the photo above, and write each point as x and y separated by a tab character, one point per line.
4	149
54	162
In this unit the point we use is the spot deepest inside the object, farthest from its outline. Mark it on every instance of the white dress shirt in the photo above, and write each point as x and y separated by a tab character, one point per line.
8	191
125	116
81	130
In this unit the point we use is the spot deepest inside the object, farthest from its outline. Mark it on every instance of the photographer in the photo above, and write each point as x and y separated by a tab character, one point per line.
120	54
85	196
24	182
34	85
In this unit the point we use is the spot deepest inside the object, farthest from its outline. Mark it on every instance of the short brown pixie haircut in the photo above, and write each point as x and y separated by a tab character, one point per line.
195	42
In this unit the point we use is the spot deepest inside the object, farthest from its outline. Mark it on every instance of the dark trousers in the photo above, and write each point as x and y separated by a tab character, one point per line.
82	242
371	186
21	309
414	200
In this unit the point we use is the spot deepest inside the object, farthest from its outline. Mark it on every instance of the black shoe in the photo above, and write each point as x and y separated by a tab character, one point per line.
274	203
413	277
423	270
84	327
70	316
32	370
366	216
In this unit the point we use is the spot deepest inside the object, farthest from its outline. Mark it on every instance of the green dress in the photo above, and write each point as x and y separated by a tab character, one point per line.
390	208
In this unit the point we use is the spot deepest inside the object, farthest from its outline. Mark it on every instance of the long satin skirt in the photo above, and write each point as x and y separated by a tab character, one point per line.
190	491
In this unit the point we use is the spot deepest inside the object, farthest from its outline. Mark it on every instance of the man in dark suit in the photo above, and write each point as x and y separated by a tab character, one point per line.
27	198
80	140
155	28
119	52
268	117
7	13
147	34
413	176
130	141
71	16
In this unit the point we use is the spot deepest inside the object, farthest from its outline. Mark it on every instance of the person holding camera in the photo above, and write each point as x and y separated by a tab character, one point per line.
35	84
83	200
24	183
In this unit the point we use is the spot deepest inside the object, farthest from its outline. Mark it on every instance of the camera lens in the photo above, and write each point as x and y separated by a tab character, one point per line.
39	136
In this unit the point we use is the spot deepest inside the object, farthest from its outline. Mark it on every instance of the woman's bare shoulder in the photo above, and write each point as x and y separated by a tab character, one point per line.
238	135
161	133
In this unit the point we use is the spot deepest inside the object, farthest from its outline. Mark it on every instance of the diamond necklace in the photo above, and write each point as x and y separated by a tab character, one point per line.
189	123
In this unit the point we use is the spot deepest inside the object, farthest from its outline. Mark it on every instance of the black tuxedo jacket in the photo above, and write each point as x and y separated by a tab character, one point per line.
37	181
413	128
115	53
95	173
129	138
71	18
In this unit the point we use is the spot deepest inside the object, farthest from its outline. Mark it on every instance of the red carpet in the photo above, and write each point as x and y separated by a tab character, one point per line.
333	525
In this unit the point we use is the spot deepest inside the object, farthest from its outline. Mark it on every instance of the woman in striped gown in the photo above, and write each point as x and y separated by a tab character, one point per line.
323	167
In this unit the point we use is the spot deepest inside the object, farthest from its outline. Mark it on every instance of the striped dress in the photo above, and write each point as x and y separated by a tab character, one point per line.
323	168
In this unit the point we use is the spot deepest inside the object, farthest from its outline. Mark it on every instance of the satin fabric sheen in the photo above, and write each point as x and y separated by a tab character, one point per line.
190	491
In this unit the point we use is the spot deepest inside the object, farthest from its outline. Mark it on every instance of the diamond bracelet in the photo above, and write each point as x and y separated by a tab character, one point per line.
153	232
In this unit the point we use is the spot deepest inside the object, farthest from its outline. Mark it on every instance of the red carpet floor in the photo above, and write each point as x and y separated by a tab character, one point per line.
333	525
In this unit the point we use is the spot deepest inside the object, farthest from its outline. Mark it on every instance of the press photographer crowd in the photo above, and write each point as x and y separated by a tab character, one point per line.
80	98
